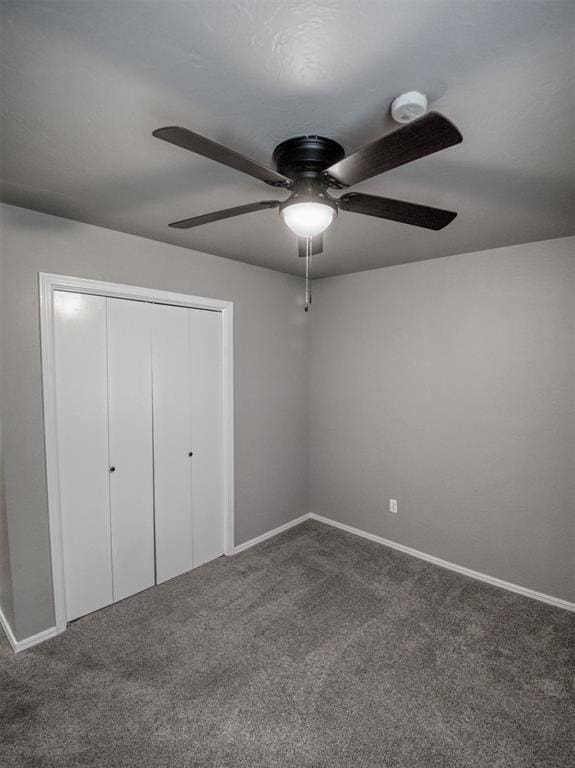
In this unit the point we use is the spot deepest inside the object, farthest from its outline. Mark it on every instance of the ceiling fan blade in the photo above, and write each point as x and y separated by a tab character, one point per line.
226	213
396	210
181	137
425	136
316	245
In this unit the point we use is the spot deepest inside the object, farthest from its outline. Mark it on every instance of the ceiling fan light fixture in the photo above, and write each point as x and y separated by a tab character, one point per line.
308	219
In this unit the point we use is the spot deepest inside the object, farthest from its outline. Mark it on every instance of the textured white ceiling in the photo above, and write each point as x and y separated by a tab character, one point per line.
84	84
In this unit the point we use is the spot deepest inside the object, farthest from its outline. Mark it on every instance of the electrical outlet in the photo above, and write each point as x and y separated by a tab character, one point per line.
393	506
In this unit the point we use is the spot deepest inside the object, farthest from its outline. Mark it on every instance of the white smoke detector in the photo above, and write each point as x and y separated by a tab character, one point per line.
409	106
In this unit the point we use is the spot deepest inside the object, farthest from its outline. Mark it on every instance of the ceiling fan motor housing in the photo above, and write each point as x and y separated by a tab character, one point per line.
306	157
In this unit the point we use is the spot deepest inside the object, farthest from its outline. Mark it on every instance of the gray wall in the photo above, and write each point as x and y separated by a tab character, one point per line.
450	386
447	384
271	378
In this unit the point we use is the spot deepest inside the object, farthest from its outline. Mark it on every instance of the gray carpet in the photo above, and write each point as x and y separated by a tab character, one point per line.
316	649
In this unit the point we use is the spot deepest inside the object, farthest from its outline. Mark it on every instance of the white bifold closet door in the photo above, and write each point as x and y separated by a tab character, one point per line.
104	422
172	441
139	426
130	445
206	395
187	376
82	425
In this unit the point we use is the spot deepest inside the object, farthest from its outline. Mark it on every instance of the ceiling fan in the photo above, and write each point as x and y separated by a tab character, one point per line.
309	166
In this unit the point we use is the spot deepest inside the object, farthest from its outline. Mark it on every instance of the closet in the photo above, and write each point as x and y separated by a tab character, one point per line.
138	392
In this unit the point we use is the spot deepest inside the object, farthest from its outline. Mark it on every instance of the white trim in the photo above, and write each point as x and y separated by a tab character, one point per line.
270	534
8	630
27	642
135	292
228	425
525	591
49	283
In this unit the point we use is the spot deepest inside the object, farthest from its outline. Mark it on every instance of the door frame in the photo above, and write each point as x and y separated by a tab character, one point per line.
48	283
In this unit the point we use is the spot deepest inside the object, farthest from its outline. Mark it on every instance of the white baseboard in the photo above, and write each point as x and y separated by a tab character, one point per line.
8	630
27	642
525	591
270	534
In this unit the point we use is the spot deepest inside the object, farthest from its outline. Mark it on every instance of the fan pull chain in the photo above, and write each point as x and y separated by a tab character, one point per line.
307	273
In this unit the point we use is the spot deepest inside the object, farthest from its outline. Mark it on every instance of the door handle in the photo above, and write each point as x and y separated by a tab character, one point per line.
112	469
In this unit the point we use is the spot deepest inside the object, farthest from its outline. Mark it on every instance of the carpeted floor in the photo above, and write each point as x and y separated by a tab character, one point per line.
316	649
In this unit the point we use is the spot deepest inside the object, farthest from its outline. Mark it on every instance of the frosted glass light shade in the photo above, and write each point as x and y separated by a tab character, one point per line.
308	219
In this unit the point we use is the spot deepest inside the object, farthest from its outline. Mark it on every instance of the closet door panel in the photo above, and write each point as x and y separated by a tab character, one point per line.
82	427
130	439
172	443
206	404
